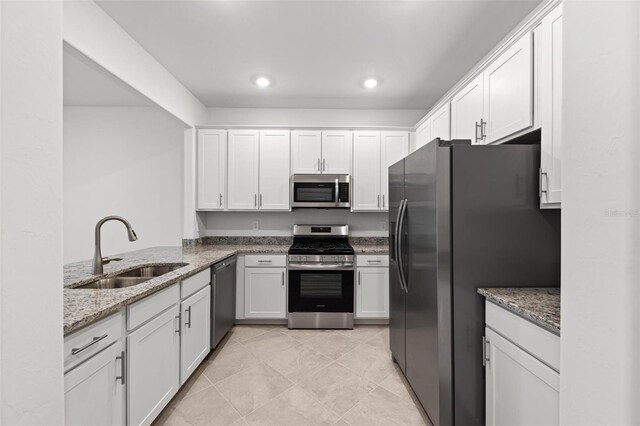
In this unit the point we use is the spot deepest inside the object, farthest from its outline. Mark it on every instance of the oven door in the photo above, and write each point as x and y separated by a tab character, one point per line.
314	194
317	290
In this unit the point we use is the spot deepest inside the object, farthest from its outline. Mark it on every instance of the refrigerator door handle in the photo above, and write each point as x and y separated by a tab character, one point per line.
400	242
396	245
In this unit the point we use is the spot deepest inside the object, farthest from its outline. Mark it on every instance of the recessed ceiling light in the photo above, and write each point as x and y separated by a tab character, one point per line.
370	83
262	81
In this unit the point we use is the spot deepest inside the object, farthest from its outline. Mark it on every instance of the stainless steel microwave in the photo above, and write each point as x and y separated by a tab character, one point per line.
321	191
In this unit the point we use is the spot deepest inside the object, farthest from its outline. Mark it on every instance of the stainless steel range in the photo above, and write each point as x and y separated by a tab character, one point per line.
321	277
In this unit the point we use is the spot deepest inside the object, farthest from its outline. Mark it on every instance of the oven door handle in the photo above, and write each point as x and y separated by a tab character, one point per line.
310	266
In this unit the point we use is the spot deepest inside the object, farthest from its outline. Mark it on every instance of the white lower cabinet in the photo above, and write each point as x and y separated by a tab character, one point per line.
372	293
521	373
94	391
154	366
265	292
195	341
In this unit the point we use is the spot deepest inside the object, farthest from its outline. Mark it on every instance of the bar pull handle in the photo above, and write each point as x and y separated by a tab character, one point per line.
478	126
324	167
283	279
359	278
378	200
76	351
260	200
319	168
255	200
265	261
179	318
483	128
382	200
123	368
374	261
221	199
188	322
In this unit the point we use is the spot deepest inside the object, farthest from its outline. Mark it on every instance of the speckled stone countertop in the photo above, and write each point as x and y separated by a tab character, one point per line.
85	306
539	305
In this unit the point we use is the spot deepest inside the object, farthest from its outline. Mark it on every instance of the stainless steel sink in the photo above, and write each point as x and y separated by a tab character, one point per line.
132	277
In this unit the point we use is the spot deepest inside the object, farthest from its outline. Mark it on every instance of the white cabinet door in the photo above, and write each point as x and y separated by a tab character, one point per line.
508	91
195	341
243	149
265	293
274	170
466	111
366	171
212	169
93	391
153	367
551	107
423	135
336	152
306	152
520	390
372	293
394	146
441	123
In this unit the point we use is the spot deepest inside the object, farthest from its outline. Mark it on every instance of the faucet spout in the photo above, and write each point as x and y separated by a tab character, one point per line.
98	260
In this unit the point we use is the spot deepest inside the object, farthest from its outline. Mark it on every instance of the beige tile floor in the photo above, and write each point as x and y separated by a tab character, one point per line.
267	375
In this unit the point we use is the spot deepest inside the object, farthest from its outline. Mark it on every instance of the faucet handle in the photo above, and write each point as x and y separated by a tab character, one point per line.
106	260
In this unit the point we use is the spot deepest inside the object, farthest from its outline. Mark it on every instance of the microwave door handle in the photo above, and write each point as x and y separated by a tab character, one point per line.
337	192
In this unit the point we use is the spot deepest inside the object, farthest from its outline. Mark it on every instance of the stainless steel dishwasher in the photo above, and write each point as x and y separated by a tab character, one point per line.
223	299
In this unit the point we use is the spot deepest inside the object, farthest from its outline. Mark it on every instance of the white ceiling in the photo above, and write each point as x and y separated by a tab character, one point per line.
86	83
318	51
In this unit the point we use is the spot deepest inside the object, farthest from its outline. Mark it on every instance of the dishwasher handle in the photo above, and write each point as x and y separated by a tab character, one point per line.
224	264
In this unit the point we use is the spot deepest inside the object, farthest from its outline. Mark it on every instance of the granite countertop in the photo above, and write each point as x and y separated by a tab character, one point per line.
539	305
85	306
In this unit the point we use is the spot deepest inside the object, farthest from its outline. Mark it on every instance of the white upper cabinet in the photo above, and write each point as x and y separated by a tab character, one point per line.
365	191
423	135
212	169
466	111
336	152
243	164
441	123
274	170
306	152
550	95
508	91
394	146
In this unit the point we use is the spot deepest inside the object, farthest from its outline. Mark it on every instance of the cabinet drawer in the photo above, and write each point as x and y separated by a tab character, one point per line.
539	342
265	260
372	260
194	283
104	333
142	311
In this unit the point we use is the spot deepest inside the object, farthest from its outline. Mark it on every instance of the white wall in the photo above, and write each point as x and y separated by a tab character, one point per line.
31	366
600	340
281	223
313	117
126	161
95	34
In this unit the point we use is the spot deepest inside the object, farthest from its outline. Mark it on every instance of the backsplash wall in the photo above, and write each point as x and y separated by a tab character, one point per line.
281	223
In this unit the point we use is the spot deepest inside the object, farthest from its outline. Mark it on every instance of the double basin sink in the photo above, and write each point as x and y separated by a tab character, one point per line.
132	277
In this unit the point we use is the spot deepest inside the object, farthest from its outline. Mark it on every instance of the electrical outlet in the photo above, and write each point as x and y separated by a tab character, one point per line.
383	226
256	224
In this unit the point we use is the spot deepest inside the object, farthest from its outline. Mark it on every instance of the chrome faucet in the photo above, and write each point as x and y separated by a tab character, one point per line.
98	260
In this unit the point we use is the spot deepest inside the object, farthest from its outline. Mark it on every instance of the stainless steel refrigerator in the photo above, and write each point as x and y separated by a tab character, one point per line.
461	216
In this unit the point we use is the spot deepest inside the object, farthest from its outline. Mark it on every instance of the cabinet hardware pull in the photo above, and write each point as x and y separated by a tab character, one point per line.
255	200
123	368
188	322
260	200
220	199
179	318
319	169
485	353
540	174
483	128
378	201
265	261
374	261
76	351
476	133
283	278
323	164
359	278
382	200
